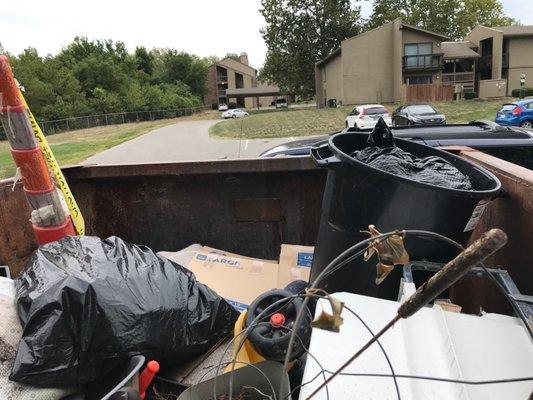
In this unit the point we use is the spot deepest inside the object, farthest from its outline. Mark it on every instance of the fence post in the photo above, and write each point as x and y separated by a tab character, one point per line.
122	117
87	118
106	120
68	128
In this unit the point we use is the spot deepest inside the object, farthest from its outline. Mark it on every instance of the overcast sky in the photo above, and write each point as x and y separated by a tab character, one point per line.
202	27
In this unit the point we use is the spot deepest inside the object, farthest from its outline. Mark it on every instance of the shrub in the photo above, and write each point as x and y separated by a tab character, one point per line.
528	92
470	95
232	105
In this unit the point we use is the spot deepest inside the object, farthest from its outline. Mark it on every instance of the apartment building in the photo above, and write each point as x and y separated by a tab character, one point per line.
230	74
505	53
376	65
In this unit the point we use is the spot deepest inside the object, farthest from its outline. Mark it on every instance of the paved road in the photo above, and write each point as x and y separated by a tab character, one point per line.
183	141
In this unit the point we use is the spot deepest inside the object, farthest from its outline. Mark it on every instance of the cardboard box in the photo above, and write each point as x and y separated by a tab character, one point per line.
294	263
240	279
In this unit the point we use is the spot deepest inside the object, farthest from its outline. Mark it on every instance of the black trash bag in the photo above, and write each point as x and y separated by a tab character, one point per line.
383	154
88	304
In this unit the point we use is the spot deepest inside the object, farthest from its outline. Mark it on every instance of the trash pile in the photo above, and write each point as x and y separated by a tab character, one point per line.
87	305
383	154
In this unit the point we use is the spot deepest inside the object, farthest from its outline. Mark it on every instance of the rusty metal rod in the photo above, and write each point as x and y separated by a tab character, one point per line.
486	245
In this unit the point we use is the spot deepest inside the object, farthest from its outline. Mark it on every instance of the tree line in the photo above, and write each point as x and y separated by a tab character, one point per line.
93	77
101	76
299	33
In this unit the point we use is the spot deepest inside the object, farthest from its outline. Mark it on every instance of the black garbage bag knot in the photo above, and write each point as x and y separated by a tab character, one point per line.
381	135
382	153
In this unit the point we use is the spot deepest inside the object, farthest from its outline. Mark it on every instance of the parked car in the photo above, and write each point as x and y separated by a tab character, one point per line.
222	107
366	116
281	103
519	113
417	114
512	144
236	113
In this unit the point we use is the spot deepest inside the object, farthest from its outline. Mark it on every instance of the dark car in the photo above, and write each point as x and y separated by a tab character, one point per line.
512	144
417	114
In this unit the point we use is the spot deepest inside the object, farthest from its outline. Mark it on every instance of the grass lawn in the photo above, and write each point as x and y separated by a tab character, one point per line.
294	122
75	146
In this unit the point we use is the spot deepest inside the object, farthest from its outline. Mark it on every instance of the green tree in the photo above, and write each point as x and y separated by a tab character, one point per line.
299	33
171	66
100	76
233	56
50	88
144	60
454	18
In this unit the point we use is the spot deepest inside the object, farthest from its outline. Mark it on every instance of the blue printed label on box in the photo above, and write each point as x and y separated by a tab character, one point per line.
305	259
237	305
219	259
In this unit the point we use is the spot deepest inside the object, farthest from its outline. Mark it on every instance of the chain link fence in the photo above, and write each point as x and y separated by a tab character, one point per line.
91	121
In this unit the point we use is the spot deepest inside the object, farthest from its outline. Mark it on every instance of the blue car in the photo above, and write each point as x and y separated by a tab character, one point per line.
519	113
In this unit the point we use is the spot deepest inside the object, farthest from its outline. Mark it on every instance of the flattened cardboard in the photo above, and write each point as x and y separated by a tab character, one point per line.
294	263
240	279
237	278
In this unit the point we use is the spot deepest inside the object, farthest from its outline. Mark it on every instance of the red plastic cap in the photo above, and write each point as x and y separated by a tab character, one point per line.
9	91
153	366
277	320
145	377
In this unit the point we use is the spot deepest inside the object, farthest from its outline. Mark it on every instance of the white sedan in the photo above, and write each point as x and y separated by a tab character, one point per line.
367	116
237	113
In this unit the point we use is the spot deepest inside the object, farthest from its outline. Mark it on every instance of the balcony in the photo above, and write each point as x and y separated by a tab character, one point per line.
466	79
222	79
422	62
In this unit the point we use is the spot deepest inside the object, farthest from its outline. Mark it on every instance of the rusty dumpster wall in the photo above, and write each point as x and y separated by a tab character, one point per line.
251	207
242	206
247	207
512	212
16	236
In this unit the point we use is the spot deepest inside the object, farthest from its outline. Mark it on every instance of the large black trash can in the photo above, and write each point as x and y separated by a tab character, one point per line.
357	195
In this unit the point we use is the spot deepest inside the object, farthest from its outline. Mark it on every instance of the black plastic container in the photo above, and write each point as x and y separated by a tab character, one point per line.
357	195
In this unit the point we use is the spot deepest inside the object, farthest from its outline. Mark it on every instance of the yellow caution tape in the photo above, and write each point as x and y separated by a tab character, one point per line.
61	182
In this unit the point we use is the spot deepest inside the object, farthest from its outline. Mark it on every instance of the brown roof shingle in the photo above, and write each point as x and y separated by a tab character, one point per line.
458	50
516	30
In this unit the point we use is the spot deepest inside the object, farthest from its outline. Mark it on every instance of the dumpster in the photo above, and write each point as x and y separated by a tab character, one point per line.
358	195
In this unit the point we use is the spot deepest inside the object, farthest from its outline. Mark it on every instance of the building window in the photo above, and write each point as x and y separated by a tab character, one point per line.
239	80
418	80
222	75
418	55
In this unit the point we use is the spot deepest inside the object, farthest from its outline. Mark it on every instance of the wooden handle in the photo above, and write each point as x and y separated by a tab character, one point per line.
478	251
